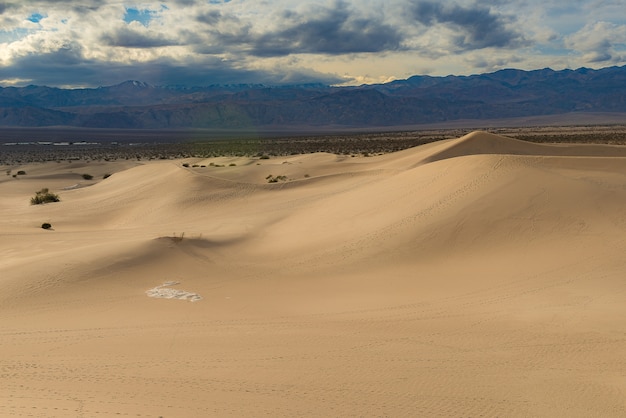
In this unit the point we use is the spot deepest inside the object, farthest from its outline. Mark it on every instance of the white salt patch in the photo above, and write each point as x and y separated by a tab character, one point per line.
165	292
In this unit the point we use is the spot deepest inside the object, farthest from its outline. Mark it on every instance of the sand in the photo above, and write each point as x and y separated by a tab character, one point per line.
479	276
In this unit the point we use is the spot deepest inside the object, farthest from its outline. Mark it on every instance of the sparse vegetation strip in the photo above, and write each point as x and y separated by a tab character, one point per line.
265	148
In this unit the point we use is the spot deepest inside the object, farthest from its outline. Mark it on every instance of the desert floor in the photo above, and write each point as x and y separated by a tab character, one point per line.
479	276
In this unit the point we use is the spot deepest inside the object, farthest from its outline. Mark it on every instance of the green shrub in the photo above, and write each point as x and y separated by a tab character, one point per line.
44	196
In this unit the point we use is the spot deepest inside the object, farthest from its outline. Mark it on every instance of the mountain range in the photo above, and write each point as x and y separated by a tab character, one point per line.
417	100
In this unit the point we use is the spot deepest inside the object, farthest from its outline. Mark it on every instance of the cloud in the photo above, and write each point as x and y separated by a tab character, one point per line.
335	29
477	27
129	37
195	42
68	66
599	42
328	30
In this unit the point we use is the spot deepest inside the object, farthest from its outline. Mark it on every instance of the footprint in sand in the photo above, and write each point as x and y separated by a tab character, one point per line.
166	292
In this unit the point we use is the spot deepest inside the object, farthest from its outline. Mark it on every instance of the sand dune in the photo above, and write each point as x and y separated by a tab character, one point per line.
480	276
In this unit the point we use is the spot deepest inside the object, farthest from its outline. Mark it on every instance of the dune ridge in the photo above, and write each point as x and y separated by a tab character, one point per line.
475	276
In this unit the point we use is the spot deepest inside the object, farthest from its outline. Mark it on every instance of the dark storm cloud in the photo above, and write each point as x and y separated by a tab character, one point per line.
4	6
127	38
210	18
479	27
186	2
69	66
55	68
326	30
333	31
600	57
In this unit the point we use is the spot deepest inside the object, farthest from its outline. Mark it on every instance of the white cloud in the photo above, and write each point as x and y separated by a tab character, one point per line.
599	42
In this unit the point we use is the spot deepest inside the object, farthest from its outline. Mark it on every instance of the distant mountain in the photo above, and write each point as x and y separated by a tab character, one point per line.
416	100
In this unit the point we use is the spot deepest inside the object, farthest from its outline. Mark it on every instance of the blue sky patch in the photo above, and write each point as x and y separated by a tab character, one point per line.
142	16
35	17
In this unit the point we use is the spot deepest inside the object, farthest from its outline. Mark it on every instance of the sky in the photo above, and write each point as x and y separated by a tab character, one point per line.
91	43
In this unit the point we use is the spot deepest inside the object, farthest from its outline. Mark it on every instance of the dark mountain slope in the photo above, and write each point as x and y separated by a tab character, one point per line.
419	99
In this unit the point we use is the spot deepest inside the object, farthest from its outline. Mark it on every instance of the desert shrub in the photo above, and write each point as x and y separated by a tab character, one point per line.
44	196
106	176
265	157
186	165
87	176
272	179
46	225
21	173
232	165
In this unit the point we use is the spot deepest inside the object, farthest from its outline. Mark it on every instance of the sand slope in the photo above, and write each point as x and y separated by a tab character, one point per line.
481	276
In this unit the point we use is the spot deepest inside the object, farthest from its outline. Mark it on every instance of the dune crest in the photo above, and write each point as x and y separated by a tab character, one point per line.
480	142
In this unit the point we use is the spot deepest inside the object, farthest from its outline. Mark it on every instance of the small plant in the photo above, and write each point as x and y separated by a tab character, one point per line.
21	173
46	225
232	165
265	157
186	165
44	196
106	176
87	176
272	179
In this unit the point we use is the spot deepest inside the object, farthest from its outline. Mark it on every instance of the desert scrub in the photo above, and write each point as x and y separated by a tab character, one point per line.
46	225
44	196
272	179
87	176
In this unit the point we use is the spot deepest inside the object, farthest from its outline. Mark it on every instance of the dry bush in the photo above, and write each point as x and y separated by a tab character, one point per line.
44	196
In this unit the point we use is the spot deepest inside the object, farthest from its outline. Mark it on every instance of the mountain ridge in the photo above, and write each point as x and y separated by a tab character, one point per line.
133	104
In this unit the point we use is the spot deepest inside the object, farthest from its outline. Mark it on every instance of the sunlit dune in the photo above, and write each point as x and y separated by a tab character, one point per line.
478	276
